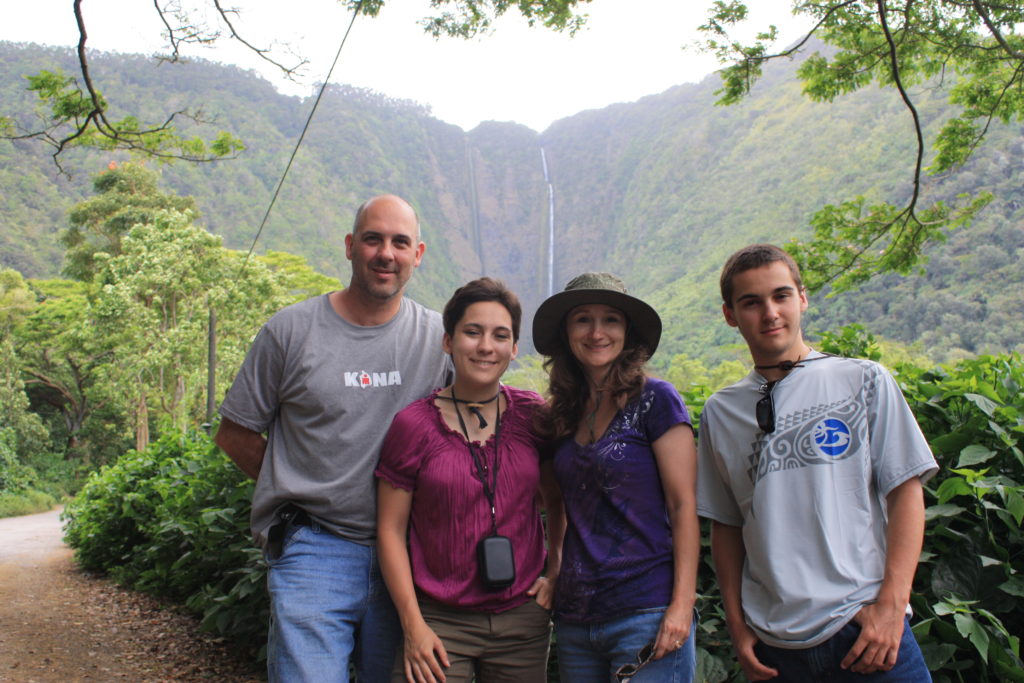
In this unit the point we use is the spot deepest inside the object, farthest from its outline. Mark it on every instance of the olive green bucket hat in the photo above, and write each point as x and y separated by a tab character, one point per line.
593	288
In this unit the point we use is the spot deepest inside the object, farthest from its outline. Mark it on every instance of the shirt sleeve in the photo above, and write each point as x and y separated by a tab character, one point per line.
899	450
714	495
401	453
254	396
666	408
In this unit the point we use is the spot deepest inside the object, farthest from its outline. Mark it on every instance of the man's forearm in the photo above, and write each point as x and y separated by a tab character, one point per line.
244	446
904	537
882	622
728	552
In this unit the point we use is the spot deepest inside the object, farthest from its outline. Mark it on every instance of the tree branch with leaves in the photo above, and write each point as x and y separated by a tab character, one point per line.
969	43
78	115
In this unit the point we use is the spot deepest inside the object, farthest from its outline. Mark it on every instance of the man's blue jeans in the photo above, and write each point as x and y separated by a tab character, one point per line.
589	653
329	604
821	663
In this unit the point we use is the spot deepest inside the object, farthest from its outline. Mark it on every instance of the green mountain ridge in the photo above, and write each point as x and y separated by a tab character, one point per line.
659	191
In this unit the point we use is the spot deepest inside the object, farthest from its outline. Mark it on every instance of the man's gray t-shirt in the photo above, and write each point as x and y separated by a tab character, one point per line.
325	390
810	497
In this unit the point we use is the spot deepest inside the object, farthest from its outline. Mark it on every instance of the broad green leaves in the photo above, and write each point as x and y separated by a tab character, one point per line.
968	590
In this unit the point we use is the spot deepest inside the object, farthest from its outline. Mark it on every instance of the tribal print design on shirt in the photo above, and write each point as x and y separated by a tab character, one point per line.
822	434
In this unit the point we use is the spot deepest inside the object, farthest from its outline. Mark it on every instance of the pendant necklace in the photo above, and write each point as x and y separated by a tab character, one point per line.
475	407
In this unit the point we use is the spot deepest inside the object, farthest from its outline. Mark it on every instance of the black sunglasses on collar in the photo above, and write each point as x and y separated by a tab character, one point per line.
764	409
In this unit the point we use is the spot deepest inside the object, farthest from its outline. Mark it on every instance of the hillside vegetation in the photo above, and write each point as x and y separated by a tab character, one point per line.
658	190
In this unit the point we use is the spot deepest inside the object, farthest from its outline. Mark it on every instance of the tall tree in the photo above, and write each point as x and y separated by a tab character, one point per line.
152	311
126	195
16	300
969	48
63	361
128	338
25	429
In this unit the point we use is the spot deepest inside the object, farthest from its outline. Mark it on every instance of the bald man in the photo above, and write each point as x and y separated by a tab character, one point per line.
305	418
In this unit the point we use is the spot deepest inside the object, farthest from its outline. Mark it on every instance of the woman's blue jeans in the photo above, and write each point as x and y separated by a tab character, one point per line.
589	653
329	604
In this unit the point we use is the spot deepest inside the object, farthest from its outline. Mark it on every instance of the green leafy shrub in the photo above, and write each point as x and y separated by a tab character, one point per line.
20	484
173	521
109	519
14	475
969	590
27	502
852	341
58	476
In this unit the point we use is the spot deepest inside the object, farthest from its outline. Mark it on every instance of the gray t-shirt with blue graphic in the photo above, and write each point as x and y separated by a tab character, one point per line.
810	497
325	390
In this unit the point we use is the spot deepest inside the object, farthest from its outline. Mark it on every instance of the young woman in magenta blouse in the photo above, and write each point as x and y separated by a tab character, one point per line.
458	469
625	461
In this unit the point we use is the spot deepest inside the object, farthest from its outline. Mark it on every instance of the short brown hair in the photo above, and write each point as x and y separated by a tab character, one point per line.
754	256
475	291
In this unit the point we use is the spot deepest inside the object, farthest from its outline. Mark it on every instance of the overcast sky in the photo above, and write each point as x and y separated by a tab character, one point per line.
629	49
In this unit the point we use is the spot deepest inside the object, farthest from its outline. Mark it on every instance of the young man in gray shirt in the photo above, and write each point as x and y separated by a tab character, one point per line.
323	380
811	470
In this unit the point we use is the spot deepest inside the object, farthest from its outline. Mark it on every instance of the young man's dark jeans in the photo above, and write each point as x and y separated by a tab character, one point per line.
820	664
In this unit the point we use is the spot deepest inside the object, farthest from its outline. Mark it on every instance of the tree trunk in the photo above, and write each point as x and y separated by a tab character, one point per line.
141	424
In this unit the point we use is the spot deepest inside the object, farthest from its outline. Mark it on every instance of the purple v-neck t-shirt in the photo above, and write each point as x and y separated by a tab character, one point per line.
617	555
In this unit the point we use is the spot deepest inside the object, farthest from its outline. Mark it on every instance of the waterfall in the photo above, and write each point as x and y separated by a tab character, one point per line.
474	207
551	224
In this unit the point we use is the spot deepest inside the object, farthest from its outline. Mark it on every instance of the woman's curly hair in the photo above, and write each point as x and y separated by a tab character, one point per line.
568	387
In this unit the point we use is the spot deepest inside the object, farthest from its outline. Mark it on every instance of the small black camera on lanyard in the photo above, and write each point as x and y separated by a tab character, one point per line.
495	558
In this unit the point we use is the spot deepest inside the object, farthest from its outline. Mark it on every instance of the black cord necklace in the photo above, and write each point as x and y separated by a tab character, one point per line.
788	365
479	459
475	407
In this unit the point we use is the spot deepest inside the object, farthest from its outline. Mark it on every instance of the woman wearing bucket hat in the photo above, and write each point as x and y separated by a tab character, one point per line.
459	530
626	463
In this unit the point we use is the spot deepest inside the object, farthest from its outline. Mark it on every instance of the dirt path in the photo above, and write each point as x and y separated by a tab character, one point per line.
59	625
